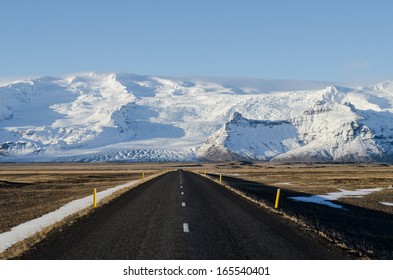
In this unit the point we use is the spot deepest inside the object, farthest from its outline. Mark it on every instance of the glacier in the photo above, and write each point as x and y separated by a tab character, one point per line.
126	117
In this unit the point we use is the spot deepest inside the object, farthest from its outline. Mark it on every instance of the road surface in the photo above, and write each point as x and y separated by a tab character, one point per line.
182	215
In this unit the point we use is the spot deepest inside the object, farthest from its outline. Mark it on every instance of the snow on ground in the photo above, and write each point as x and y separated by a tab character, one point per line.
283	183
28	229
387	203
327	198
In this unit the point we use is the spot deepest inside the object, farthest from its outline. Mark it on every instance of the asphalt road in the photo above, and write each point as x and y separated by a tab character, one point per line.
182	215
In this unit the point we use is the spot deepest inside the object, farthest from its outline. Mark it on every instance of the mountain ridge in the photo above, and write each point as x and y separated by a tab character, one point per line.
128	117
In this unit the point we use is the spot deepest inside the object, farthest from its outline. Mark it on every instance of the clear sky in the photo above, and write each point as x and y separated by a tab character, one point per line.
332	40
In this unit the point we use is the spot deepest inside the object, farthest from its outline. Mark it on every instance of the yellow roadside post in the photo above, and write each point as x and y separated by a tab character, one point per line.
205	172
94	197
277	198
220	178
143	175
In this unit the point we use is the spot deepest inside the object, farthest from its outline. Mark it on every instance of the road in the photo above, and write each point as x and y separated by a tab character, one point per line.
182	215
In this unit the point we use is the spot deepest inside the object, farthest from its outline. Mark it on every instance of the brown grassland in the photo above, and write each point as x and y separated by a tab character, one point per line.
28	191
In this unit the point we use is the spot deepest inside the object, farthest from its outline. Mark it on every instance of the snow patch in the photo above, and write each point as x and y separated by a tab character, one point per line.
387	203
327	198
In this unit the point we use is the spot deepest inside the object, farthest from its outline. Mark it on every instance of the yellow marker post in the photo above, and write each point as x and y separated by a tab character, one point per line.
94	197
143	175
220	178
277	198
205	173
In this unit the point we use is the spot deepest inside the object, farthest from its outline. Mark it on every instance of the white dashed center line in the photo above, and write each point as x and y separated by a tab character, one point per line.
183	204
181	187
185	227
182	193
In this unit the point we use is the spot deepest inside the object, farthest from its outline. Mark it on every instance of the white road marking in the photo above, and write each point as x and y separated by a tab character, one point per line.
185	227
182	193
183	204
181	187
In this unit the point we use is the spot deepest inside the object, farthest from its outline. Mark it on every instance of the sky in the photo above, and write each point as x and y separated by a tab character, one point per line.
334	40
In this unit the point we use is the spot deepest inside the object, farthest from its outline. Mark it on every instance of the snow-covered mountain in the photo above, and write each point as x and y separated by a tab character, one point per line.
243	139
104	117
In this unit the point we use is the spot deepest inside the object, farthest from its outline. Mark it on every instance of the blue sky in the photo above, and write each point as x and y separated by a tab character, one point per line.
280	39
